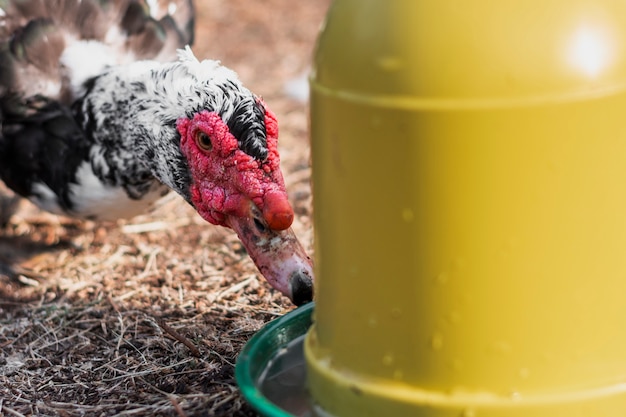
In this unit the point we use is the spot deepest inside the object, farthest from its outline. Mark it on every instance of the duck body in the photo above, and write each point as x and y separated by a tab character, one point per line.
53	54
103	113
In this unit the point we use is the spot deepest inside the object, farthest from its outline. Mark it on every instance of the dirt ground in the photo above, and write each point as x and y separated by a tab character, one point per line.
146	317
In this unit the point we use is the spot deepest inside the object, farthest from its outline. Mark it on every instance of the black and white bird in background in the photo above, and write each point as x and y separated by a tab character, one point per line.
104	108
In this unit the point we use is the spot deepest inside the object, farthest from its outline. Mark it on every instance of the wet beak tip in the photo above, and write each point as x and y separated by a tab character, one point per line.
301	288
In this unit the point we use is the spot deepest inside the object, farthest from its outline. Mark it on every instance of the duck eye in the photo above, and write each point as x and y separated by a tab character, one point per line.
203	141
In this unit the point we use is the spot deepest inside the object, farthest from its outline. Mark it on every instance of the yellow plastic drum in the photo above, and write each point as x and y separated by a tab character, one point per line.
470	209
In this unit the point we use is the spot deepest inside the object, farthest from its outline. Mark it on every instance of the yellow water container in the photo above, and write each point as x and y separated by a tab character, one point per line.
469	175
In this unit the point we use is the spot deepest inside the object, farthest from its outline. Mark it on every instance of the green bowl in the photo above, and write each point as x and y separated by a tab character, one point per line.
270	370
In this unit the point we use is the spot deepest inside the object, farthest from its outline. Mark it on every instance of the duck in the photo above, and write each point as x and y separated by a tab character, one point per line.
105	109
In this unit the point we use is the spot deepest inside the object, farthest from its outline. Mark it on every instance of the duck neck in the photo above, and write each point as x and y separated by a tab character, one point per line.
130	115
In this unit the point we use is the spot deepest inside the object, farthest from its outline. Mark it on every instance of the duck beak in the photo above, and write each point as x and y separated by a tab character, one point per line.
278	255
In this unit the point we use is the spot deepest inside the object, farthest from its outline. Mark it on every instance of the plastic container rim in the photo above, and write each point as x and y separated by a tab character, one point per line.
291	324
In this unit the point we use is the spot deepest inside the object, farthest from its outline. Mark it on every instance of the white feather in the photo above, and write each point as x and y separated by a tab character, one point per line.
153	5
186	55
94	200
85	59
45	198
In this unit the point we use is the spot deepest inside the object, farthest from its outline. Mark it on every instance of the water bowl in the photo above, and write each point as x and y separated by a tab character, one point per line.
270	369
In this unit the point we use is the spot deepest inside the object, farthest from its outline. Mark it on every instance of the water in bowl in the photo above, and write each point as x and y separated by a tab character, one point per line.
283	381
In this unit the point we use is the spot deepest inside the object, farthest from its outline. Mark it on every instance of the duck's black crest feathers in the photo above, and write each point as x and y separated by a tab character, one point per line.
246	125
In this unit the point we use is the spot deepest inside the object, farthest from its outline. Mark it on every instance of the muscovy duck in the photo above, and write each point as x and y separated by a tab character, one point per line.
99	120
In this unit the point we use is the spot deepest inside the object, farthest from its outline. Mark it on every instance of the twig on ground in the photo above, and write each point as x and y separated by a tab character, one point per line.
179	410
154	226
12	412
234	288
182	339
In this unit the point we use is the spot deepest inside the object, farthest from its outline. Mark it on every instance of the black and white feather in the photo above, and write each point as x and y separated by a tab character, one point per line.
90	91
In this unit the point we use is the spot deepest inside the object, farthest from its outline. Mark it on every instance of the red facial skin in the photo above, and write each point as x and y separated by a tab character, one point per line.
232	189
225	178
